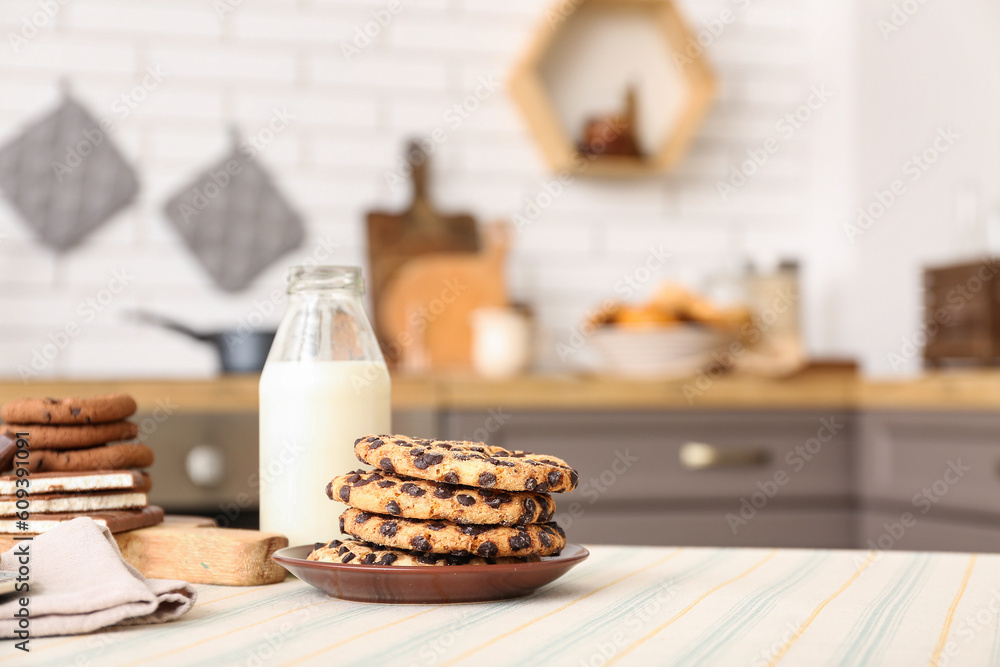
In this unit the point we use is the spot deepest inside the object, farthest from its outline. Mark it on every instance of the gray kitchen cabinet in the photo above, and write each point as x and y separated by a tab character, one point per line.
699	478
931	477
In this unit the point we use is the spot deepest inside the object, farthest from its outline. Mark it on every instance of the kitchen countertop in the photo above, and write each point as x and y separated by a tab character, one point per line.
624	605
829	386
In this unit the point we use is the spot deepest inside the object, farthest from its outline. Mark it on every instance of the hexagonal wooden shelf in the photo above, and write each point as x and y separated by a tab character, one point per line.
574	39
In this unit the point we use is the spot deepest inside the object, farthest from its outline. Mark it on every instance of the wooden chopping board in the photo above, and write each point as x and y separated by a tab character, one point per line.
429	304
193	549
394	239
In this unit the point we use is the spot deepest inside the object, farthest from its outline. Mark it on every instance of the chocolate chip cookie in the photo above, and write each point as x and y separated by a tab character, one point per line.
467	463
109	457
445	537
385	493
43	436
357	552
89	410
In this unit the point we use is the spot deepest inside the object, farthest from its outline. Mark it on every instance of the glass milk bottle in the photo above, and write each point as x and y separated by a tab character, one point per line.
324	385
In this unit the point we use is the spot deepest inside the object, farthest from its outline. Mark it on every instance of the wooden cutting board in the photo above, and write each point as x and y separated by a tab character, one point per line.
193	549
430	302
394	239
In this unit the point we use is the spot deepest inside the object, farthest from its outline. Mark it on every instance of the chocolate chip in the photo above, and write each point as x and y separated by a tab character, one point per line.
493	461
487	479
417	451
334	544
451	478
444	492
529	506
386	483
342	525
343	550
353	478
554	478
487	550
493	502
452	559
388	559
375	444
364	481
412	489
329	489
545	540
361	517
388	528
386	464
520	541
345	493
466	500
392	507
437	525
530	484
461	457
573	477
420	543
506	464
347	559
427	559
426	460
318	545
542	488
477	449
73	411
472	530
368	559
505	498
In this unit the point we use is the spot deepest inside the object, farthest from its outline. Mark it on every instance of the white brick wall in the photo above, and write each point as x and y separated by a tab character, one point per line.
352	119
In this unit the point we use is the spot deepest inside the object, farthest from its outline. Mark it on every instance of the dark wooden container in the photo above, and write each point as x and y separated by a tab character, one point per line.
962	313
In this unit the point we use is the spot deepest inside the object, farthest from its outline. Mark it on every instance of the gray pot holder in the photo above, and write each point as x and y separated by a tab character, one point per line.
235	221
65	177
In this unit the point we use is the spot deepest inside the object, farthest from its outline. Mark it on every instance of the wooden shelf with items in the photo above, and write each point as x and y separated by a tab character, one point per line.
693	87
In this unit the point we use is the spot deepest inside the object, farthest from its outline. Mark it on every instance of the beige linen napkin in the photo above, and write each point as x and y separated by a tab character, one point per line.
80	583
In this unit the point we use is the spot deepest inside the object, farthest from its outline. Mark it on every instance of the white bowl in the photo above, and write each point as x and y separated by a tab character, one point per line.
661	352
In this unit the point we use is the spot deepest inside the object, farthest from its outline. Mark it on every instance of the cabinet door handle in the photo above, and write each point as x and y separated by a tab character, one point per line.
700	456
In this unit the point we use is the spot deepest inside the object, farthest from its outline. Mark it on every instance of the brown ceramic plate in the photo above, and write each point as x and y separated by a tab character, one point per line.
428	584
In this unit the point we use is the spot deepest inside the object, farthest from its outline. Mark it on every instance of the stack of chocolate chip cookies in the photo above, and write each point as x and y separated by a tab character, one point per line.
435	502
75	464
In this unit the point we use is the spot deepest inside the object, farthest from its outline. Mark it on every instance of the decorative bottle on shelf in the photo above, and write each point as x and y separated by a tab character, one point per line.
324	385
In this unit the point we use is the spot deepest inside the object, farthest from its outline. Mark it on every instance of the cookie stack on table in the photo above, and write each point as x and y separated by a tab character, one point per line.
436	502
75	464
